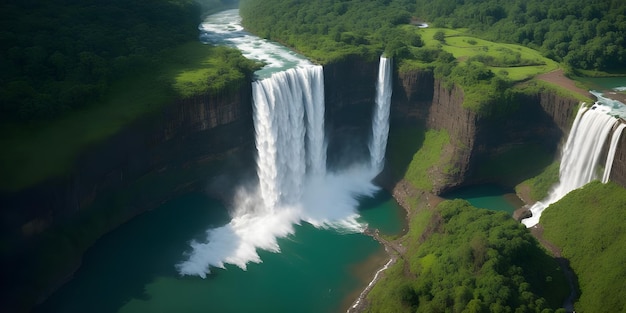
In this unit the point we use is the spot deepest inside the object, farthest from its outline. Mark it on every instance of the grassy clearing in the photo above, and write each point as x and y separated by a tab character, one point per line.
529	63
40	150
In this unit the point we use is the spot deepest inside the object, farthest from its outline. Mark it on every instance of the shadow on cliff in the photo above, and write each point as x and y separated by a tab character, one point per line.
123	263
404	141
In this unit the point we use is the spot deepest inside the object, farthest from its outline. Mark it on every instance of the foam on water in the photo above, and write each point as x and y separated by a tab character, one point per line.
225	28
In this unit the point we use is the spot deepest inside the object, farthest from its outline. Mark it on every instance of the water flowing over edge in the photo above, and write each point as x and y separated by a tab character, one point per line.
582	150
294	185
380	120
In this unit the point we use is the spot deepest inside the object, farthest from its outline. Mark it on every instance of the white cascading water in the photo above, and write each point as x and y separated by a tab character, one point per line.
581	155
380	120
617	134
293	183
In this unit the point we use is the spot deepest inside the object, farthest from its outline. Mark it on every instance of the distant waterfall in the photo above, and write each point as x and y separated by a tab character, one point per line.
581	154
380	120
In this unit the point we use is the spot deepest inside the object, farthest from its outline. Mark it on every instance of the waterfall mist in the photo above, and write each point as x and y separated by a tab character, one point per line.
580	156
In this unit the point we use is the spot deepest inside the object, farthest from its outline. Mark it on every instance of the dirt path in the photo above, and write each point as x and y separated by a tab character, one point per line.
557	77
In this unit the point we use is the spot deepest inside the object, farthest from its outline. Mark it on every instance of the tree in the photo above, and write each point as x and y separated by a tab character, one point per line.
440	36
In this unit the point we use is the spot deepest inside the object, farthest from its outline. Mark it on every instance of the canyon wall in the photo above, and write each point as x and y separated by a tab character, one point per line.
482	145
177	149
150	161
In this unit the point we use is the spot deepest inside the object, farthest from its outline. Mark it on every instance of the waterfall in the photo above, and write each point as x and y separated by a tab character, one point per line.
581	154
380	120
293	184
280	103
617	134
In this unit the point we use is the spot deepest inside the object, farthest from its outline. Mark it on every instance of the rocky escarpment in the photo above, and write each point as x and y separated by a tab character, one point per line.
538	121
148	162
349	94
141	166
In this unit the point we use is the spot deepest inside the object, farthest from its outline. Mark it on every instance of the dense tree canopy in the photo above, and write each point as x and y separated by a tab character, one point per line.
326	26
584	34
58	55
470	260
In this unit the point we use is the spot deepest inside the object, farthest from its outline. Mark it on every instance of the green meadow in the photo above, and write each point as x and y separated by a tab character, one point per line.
516	62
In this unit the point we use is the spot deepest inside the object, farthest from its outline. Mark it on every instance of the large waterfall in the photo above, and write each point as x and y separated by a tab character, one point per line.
293	182
380	120
280	104
581	154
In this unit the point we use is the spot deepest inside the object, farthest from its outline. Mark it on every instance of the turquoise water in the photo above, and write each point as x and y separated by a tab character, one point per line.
132	269
607	82
492	197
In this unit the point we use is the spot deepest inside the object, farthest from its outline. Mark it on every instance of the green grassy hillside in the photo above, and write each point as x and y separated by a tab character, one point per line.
588	224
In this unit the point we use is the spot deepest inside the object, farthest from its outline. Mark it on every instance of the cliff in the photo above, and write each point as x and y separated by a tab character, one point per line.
349	94
176	150
484	149
140	167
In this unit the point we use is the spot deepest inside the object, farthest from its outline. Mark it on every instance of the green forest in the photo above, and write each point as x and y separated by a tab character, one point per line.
63	55
76	72
463	259
464	44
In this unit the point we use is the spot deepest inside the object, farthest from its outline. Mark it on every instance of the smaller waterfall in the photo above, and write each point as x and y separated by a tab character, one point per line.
581	154
380	120
617	134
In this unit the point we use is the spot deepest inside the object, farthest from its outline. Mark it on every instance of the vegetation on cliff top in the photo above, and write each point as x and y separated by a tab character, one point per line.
463	259
588	224
330	30
579	33
91	70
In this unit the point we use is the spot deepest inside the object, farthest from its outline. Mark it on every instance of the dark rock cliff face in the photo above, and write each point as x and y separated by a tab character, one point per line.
187	136
350	93
539	120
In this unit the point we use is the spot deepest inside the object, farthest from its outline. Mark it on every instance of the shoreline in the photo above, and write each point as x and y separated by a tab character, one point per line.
394	251
401	191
